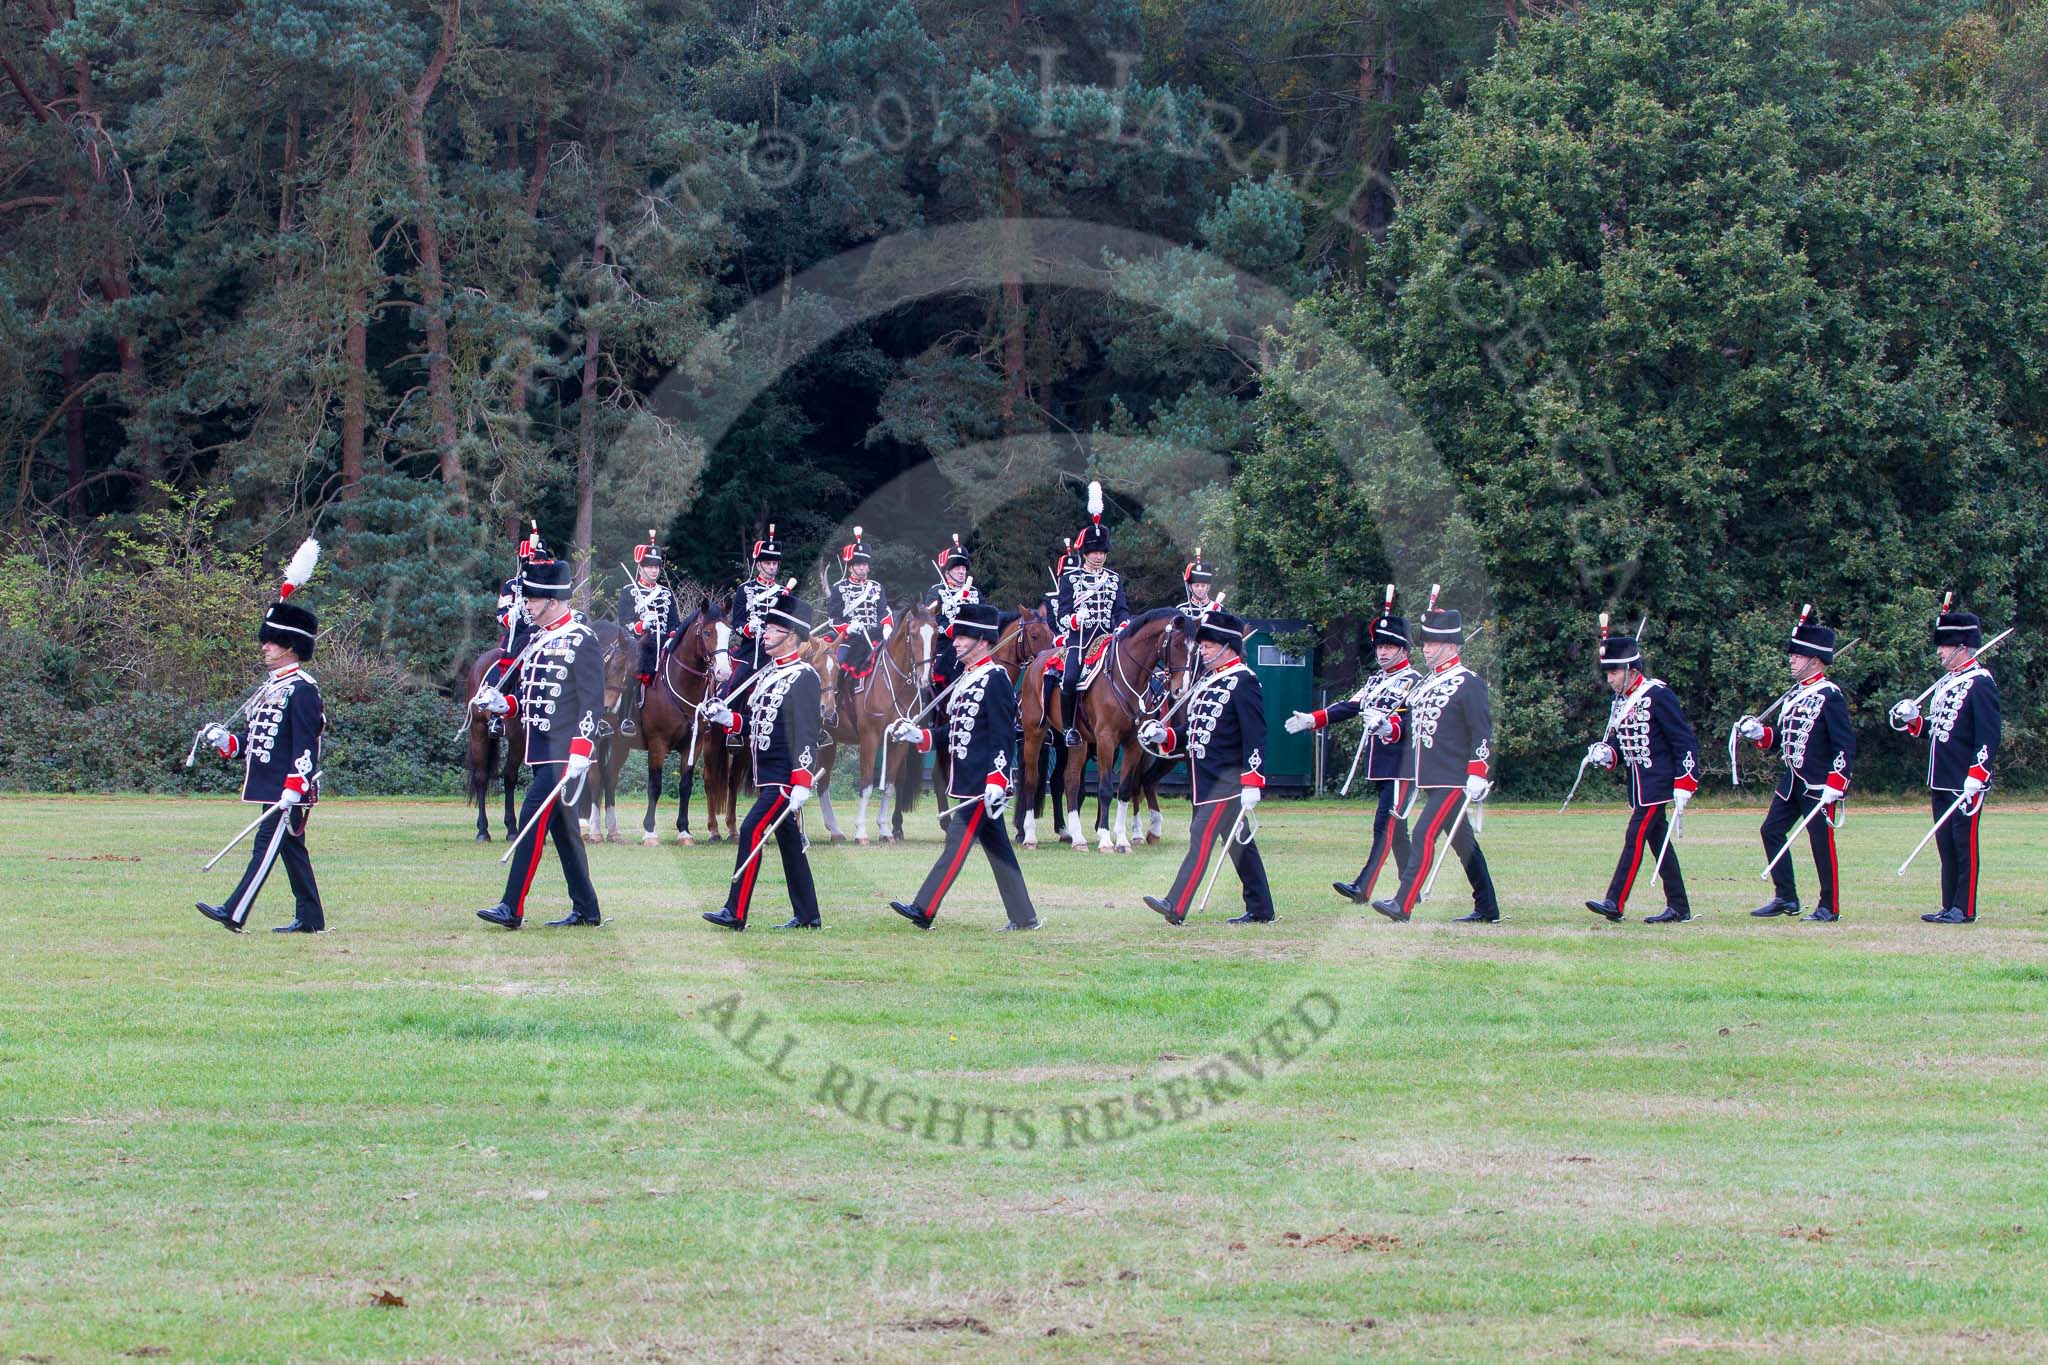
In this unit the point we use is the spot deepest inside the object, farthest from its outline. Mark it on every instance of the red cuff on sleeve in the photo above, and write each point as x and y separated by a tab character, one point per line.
581	747
511	706
1688	783
1980	772
1475	768
295	783
1770	737
997	780
1838	782
924	741
234	747
801	777
841	629
1322	719
1394	719
1172	740
1918	724
1252	779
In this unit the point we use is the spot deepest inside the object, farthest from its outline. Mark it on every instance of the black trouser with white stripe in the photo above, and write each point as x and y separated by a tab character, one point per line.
298	866
1214	822
1647	826
1440	809
1389	835
568	844
1785	812
1957	843
967	824
770	803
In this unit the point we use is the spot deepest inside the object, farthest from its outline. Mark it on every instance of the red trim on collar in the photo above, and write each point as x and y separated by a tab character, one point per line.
1446	665
789	658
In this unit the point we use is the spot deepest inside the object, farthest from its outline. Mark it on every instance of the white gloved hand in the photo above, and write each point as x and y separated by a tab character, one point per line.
1152	733
905	732
1248	797
577	765
219	736
1750	728
1972	785
1299	721
799	797
1905	713
995	799
1830	795
1475	788
1600	753
716	713
290	796
1680	798
1383	728
491	701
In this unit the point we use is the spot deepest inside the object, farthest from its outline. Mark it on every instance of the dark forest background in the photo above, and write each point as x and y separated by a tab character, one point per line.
1696	309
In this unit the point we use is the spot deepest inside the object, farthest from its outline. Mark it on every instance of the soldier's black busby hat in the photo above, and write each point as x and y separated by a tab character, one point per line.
1811	638
1620	651
1387	628
1953	627
1223	627
647	556
1197	571
978	621
548	578
857	552
291	626
1443	626
955	556
284	622
791	611
768	547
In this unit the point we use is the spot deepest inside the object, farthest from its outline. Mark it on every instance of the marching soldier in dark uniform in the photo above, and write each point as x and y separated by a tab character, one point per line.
1647	733
281	749
1451	739
1091	605
858	608
954	590
559	699
1963	728
750	602
516	632
981	723
1383	701
1224	742
780	727
1818	746
1200	582
648	609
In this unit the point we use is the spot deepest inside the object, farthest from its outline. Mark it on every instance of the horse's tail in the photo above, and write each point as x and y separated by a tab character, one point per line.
908	779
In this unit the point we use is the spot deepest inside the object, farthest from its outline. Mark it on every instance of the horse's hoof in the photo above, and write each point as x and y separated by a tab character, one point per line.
483	836
1031	844
685	841
860	843
652	841
837	839
1151	838
1123	848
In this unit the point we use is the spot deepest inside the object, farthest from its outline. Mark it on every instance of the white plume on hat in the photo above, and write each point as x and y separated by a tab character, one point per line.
303	561
1094	498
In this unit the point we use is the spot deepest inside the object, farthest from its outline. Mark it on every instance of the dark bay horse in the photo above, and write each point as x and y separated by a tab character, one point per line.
490	755
1110	708
600	798
668	719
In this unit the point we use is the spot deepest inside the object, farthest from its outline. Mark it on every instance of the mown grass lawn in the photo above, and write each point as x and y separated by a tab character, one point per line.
657	1140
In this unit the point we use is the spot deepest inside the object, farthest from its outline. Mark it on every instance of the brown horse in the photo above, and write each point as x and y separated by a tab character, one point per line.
892	690
1111	707
668	720
482	760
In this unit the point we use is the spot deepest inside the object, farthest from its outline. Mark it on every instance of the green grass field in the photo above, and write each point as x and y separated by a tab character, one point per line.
1332	1138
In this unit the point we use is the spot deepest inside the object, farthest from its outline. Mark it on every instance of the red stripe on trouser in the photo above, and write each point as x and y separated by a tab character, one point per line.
1428	852
1628	883
1201	861
754	868
1970	895
540	841
959	856
1393	814
1834	864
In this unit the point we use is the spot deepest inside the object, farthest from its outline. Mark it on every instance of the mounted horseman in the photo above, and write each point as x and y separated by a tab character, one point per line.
858	609
647	610
752	599
1090	606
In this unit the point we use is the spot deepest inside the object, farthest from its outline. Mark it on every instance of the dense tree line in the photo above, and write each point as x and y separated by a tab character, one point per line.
1693	306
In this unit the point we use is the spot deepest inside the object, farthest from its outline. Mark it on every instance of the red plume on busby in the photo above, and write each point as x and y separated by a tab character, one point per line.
1197	571
1810	637
286	623
650	553
768	547
855	552
953	556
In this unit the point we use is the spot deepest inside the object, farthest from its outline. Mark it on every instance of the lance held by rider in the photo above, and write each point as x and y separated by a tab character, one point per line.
1962	726
1814	738
1649	738
280	749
